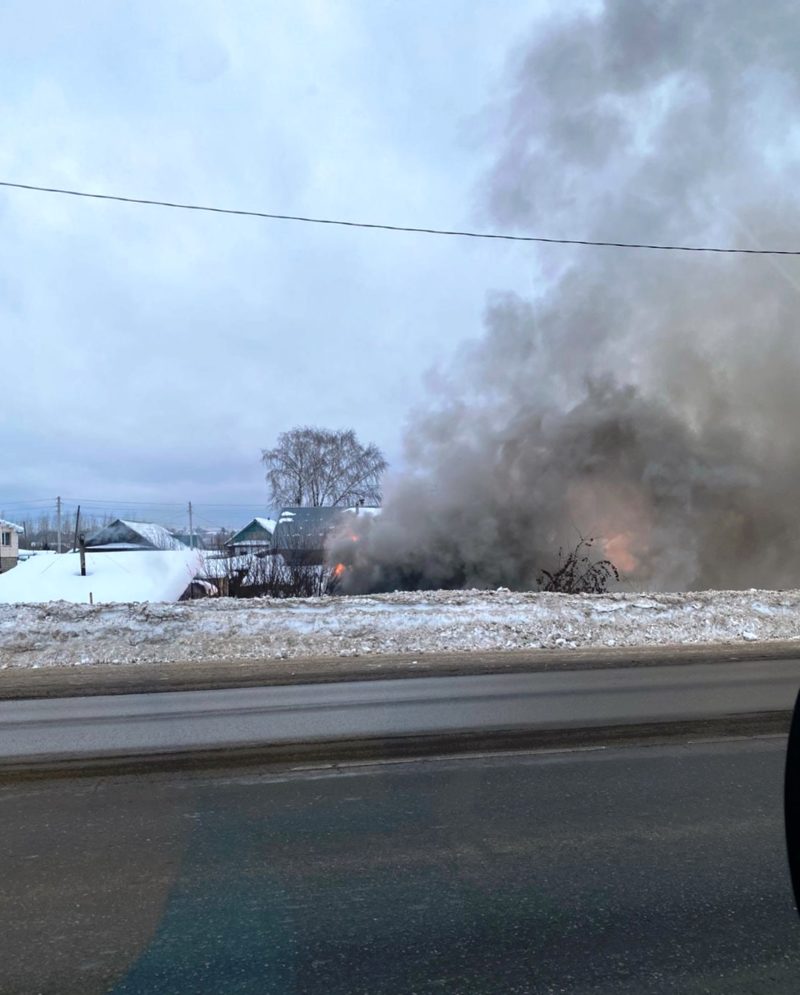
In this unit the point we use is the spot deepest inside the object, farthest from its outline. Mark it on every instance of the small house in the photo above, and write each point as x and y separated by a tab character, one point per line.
122	535
9	544
301	533
255	537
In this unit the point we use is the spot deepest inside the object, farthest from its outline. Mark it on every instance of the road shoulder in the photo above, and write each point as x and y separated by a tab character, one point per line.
144	678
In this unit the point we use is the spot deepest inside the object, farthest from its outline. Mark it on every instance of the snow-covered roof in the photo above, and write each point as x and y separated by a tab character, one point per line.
211	589
150	575
289	514
265	525
160	537
123	534
305	525
11	525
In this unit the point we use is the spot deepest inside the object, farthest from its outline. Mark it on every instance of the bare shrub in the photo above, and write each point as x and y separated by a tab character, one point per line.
270	576
273	577
578	573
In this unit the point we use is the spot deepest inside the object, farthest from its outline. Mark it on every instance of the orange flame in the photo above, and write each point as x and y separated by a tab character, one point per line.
338	570
619	549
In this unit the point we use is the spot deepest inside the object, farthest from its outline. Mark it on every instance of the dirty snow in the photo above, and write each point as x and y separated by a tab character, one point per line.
419	622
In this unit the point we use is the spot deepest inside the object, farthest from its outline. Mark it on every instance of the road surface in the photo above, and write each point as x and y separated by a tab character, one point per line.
640	869
445	709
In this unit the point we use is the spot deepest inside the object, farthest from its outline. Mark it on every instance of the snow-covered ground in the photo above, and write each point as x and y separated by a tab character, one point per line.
144	575
438	621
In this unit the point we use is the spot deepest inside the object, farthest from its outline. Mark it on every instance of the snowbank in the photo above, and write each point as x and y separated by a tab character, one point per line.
142	575
438	621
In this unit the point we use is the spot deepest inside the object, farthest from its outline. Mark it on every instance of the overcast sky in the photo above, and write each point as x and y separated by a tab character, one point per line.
150	353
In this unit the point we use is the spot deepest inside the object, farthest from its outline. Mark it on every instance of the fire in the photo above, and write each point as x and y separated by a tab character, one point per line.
618	515
338	570
619	549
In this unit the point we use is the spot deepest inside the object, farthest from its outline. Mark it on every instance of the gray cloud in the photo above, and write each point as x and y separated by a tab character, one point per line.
155	353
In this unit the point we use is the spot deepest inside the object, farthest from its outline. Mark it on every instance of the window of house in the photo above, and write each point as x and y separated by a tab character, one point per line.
6	539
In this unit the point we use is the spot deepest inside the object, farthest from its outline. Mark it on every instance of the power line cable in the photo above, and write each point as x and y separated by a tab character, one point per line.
154	504
124	504
498	236
26	504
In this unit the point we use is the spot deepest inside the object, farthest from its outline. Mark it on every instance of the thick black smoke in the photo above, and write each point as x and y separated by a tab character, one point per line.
650	399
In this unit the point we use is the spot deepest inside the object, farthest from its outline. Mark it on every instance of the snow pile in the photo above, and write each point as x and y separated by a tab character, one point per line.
418	622
147	575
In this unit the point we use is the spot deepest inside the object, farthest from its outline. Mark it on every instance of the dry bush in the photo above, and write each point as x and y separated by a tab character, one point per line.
578	573
271	577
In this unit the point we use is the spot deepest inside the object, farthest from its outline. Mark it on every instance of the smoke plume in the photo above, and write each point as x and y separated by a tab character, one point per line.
650	399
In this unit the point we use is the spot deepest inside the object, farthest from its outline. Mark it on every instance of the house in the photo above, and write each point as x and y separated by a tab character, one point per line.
255	537
149	575
301	533
9	544
126	535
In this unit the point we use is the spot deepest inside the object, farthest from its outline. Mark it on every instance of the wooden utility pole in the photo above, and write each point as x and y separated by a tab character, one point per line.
58	521
191	527
77	528
82	551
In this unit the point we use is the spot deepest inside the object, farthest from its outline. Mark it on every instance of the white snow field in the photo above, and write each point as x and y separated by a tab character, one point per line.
66	634
146	575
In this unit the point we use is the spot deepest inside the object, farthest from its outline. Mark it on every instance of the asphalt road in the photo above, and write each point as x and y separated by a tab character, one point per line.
173	722
632	870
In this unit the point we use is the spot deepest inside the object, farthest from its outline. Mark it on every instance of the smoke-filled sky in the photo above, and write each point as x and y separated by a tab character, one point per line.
646	398
150	354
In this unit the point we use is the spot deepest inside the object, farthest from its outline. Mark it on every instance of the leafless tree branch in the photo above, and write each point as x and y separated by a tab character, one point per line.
314	467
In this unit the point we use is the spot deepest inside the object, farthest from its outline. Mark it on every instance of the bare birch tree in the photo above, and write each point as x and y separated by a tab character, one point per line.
312	467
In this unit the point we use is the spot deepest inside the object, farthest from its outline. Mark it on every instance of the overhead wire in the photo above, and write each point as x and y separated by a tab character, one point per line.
156	504
412	229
